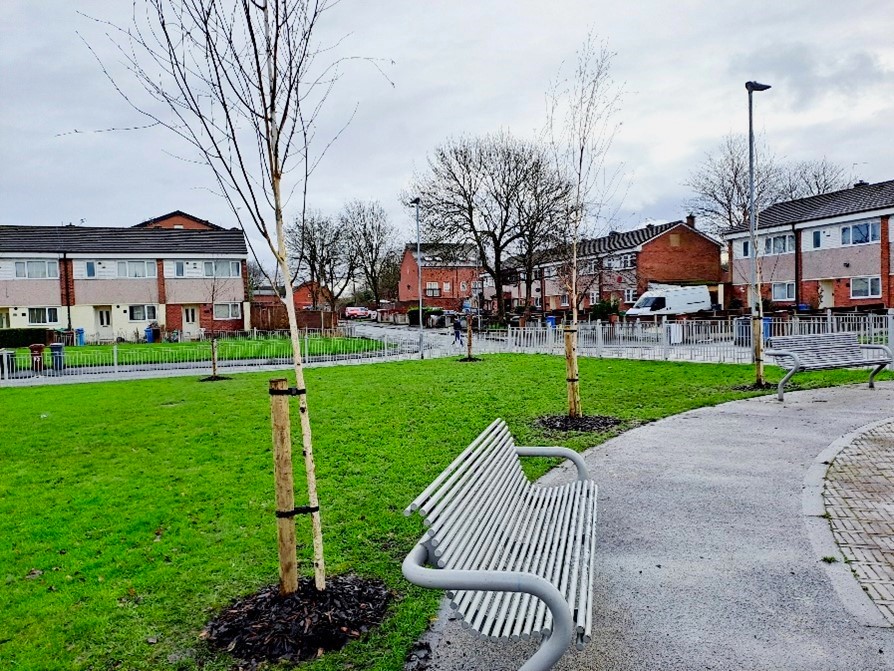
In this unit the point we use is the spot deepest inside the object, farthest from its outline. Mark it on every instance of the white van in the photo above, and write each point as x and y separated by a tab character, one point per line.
672	300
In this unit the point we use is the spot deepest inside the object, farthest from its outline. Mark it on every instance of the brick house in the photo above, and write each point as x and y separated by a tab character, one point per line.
826	251
114	282
620	266
448	273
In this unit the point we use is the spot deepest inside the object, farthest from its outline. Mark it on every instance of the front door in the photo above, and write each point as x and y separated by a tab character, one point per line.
4	318
826	294
190	321
103	317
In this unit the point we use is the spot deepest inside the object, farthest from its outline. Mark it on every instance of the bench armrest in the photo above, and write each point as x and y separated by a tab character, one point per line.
417	572
559	452
884	348
783	353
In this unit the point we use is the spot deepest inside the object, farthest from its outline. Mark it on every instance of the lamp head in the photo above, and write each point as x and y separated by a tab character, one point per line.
756	86
415	201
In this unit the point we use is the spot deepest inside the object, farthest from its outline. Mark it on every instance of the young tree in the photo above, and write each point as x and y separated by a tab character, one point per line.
373	239
244	84
581	125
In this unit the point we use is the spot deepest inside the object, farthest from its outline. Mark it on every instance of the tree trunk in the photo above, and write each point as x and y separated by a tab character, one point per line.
469	337
571	371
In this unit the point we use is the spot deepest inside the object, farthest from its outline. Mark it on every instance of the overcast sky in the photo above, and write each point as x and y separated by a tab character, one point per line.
461	67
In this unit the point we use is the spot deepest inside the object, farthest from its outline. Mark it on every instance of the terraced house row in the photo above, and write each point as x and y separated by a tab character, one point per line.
176	271
827	251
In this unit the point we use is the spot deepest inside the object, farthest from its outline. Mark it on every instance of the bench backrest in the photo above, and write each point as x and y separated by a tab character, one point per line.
478	492
821	347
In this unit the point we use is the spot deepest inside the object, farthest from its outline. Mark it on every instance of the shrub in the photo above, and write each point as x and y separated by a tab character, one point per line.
22	337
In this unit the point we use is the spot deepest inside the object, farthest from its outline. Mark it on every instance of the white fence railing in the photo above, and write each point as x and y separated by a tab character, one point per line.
718	341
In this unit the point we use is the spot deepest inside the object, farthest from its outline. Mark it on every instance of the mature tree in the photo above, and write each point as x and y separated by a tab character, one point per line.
470	194
373	239
582	123
256	277
244	84
389	276
720	182
323	252
543	205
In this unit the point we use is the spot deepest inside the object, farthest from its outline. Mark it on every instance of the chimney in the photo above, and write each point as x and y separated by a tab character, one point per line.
690	220
861	183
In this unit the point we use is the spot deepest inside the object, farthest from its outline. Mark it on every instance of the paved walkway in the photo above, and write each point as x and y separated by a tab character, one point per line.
712	535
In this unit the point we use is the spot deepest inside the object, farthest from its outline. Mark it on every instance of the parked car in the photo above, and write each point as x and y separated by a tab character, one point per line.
353	312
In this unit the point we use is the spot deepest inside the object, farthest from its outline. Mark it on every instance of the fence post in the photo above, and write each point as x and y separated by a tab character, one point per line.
306	345
829	320
115	357
890	325
3	375
665	339
599	338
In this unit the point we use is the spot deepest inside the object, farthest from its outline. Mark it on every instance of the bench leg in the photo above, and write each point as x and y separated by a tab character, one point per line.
783	381
876	371
552	649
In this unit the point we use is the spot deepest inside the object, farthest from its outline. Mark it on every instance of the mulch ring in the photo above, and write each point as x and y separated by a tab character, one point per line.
269	627
215	378
582	424
754	386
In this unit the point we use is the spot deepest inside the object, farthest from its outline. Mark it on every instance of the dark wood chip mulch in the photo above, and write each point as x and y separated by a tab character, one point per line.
583	424
215	378
267	626
754	386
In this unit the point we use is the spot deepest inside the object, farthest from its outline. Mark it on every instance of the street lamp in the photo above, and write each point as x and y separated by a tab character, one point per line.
756	331
416	202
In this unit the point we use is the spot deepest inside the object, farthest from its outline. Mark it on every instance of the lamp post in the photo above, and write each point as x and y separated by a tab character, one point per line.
756	330
415	202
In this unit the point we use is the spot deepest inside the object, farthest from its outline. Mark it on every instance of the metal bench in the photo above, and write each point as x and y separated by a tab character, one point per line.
824	351
515	558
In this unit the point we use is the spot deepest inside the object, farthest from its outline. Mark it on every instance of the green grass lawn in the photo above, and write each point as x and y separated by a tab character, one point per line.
262	348
131	511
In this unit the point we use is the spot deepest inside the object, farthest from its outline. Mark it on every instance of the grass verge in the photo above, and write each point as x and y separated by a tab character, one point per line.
131	511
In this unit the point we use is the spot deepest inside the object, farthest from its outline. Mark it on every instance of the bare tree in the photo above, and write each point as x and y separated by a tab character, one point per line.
470	194
323	249
373	239
720	182
244	85
582	122
256	277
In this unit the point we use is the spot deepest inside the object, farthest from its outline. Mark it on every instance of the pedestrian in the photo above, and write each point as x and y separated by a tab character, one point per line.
457	331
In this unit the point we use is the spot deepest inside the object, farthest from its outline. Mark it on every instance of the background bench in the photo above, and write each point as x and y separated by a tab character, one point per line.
825	351
516	559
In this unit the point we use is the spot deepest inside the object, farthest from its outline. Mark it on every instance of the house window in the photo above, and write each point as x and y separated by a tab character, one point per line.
136	269
630	295
223	269
179	269
866	287
37	270
538	302
861	234
90	268
783	291
746	249
228	311
538	273
463	286
594	297
779	244
432	289
564	300
817	239
141	313
447	288
43	315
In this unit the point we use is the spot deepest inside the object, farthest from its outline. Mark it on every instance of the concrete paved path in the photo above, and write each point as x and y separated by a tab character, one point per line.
711	543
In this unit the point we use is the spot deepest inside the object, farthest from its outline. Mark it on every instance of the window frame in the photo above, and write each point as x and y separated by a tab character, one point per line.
817	239
234	311
630	295
149	270
90	270
22	269
563	300
869	280
234	269
789	296
873	233
777	245
46	315
146	308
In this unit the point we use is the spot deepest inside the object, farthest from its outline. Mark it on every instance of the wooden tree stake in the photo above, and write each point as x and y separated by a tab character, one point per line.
285	487
572	372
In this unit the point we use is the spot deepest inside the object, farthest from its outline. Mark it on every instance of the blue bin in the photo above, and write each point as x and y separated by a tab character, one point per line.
551	321
148	333
768	321
57	355
79	337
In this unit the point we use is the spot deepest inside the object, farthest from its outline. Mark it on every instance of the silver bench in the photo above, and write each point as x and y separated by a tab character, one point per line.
516	559
824	351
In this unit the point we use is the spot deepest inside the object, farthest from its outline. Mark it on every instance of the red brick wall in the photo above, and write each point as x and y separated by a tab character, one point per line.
885	262
176	220
160	277
408	293
693	259
174	317
66	282
209	323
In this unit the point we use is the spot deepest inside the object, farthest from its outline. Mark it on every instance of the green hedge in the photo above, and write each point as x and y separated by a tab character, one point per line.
13	338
